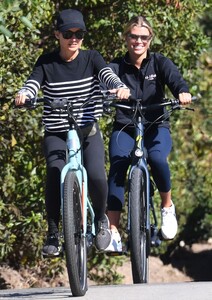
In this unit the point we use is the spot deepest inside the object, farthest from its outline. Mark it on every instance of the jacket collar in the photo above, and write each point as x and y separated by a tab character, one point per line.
127	58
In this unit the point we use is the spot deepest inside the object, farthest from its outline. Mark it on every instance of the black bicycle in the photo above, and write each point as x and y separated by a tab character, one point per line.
141	228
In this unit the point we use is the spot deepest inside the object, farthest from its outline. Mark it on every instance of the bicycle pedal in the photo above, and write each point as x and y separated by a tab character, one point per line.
156	242
160	236
116	253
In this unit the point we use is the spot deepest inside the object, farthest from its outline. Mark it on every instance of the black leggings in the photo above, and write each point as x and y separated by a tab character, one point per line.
94	162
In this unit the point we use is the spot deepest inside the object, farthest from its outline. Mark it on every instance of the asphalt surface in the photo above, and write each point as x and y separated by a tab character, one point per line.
172	291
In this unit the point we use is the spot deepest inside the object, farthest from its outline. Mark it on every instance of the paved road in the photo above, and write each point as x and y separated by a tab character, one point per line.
173	291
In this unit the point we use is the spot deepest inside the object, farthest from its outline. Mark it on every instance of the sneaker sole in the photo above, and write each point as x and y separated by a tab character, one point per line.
46	255
165	237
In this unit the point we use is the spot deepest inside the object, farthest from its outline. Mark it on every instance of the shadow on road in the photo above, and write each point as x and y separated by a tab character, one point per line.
195	265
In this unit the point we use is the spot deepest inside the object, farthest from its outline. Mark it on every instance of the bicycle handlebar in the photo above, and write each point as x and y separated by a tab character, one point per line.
109	100
33	102
112	101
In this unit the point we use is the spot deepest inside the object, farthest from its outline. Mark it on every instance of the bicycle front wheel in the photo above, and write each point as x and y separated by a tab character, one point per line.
139	240
75	242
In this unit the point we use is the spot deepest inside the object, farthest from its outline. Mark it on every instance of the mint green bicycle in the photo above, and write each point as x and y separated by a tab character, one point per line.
77	212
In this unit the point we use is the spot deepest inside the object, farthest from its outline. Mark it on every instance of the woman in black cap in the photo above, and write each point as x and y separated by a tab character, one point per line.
72	73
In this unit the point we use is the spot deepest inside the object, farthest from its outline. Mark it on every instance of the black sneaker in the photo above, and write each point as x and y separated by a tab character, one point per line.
51	247
103	236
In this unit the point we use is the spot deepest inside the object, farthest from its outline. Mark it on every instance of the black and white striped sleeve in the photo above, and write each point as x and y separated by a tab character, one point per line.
110	79
33	83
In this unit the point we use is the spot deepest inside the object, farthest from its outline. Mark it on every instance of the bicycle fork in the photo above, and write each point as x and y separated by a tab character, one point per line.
141	164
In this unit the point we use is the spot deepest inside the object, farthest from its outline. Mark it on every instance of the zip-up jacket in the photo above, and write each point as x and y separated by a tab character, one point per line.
148	83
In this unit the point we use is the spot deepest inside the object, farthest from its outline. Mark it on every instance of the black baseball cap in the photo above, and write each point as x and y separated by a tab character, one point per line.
70	18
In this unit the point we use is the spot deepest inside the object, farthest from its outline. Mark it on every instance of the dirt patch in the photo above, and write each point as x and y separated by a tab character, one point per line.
158	272
186	264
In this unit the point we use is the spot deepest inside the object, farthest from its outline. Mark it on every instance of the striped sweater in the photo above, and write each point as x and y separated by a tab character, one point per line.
77	81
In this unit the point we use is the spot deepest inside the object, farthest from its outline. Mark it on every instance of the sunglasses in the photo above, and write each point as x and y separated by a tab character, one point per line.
144	38
69	34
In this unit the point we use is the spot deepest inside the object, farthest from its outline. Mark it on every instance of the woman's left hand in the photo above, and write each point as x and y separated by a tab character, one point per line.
185	98
121	93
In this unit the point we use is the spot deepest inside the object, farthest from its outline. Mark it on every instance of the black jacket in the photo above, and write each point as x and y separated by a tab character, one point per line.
148	82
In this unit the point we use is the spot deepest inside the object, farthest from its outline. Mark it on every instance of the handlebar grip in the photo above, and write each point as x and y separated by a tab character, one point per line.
33	102
30	103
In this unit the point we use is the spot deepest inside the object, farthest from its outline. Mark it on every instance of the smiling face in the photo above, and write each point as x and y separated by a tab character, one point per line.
138	41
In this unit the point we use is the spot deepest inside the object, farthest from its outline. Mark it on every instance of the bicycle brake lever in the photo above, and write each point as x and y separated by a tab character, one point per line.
189	108
177	106
184	108
105	94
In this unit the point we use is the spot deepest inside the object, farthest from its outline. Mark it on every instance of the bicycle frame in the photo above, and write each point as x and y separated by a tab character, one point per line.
74	163
75	204
139	160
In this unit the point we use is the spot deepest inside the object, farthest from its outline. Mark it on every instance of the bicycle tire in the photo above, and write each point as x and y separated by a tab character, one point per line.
75	242
139	236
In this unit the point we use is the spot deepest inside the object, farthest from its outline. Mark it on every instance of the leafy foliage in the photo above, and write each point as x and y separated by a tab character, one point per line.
26	30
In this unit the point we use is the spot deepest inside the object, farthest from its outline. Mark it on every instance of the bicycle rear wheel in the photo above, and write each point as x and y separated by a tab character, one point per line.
75	242
139	235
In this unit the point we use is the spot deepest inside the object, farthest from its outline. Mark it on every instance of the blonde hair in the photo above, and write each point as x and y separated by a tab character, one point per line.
137	21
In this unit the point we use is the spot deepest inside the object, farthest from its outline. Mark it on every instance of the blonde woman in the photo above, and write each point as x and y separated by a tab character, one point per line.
146	75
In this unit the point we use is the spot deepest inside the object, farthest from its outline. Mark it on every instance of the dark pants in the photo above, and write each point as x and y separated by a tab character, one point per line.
94	162
158	143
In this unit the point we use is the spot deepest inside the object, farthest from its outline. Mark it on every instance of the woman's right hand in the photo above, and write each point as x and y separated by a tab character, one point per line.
20	99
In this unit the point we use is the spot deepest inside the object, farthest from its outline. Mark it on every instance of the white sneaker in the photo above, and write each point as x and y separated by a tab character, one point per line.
169	222
115	244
